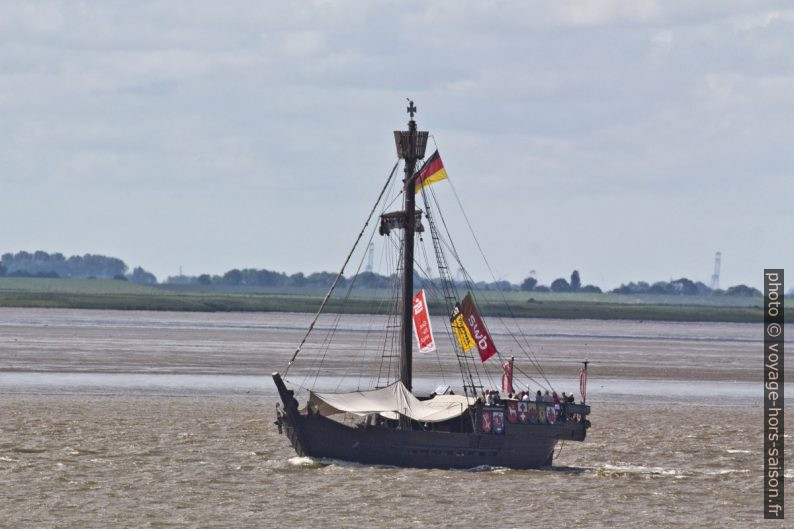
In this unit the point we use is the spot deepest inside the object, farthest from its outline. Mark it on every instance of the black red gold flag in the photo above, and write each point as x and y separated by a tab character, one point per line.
431	172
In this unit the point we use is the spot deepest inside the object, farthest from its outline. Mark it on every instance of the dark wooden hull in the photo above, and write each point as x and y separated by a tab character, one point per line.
520	446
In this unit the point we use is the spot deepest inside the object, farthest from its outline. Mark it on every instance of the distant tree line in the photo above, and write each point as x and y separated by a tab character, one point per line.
269	278
254	277
530	284
676	287
684	287
88	266
56	265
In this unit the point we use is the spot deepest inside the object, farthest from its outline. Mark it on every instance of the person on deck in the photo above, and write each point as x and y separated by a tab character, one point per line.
525	396
556	400
547	396
538	397
564	410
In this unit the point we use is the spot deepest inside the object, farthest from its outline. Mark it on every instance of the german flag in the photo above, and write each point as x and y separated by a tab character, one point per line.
431	172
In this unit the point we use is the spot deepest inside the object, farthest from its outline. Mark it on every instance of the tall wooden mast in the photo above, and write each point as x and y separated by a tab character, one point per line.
410	146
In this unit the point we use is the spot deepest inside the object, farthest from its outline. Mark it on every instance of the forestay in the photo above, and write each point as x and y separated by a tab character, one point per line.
393	399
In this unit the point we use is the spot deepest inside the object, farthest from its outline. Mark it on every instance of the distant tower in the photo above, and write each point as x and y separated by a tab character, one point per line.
370	257
715	277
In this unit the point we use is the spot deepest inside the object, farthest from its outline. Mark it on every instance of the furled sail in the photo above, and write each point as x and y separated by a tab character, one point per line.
394	398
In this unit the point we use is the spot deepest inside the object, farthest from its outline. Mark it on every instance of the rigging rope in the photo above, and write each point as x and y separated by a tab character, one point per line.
493	277
342	270
338	317
392	322
450	298
447	291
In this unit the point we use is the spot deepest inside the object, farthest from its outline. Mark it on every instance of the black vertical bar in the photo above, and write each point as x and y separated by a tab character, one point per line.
406	348
773	394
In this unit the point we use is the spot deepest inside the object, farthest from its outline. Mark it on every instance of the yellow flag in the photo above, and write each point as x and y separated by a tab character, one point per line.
462	332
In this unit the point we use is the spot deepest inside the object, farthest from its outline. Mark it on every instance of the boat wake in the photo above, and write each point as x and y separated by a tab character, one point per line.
328	463
650	472
299	461
482	468
634	470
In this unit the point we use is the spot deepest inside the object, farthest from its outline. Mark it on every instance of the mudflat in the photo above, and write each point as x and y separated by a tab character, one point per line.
256	344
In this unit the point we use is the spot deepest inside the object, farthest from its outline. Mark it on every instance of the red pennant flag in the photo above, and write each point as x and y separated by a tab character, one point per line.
471	317
422	328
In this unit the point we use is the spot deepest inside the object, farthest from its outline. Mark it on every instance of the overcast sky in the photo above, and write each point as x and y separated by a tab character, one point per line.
630	140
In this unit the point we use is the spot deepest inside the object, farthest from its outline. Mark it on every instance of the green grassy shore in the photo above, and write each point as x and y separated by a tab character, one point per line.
121	295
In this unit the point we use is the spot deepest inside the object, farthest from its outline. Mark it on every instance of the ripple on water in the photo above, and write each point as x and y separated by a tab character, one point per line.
245	477
25	450
725	471
625	470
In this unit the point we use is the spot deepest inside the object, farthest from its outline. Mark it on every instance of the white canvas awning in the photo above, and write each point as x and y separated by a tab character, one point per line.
392	399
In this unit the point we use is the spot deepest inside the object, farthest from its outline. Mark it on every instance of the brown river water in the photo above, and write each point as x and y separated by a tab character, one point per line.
142	419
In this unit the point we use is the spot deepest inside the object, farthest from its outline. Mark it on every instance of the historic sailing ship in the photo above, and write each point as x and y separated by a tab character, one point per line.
387	423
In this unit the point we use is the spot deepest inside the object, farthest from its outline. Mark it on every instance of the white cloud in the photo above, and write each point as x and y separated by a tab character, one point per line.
301	43
762	20
602	12
663	40
609	110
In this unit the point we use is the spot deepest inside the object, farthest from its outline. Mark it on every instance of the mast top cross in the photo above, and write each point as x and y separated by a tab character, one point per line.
411	109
